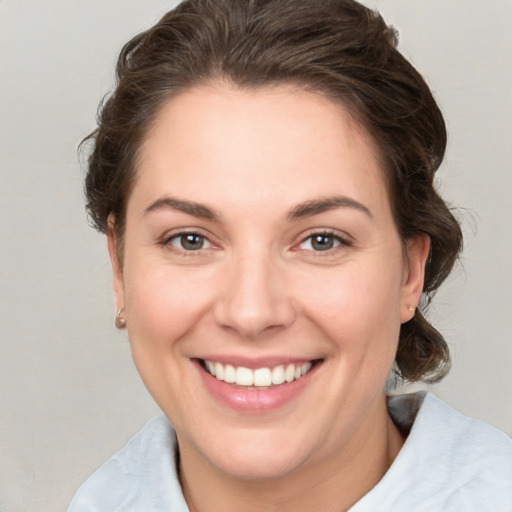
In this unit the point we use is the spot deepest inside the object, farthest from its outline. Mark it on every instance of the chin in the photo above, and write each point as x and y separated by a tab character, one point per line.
253	455
260	465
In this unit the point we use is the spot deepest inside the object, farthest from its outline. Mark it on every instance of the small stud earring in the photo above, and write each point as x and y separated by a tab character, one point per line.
120	318
410	308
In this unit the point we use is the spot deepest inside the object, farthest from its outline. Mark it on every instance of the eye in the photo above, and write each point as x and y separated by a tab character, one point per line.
321	242
189	242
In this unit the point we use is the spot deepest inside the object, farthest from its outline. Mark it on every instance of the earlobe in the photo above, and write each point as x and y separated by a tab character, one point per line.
117	270
418	249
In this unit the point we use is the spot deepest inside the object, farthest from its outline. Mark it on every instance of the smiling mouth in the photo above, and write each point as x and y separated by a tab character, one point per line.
259	378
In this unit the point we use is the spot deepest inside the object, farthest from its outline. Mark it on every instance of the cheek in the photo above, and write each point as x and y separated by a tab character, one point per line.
357	307
162	305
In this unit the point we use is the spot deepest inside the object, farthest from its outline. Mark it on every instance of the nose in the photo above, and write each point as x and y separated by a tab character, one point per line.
254	298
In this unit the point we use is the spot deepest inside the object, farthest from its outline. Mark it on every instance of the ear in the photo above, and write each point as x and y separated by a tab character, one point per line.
117	269
418	248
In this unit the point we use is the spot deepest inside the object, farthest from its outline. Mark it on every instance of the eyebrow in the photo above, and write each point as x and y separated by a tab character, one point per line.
317	206
189	207
306	209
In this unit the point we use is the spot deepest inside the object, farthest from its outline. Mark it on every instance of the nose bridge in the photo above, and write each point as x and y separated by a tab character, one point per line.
254	297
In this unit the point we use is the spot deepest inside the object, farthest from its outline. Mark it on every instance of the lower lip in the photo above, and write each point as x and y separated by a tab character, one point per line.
254	400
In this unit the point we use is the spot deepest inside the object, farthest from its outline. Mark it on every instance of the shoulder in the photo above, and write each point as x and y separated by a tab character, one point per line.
449	462
458	437
429	418
141	474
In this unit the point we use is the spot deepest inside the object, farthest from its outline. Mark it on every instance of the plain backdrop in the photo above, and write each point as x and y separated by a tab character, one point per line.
69	394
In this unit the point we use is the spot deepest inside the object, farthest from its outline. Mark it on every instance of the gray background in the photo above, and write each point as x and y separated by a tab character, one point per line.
69	395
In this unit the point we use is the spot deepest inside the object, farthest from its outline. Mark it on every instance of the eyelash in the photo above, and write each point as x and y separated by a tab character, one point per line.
167	243
338	240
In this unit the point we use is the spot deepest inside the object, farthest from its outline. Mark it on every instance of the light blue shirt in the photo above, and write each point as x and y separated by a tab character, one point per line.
449	463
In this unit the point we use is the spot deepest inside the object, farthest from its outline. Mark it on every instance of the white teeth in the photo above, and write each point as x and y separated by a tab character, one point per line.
211	367
244	376
219	371
278	375
261	377
229	373
289	374
305	368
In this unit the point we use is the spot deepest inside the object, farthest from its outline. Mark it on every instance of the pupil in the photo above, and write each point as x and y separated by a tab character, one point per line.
192	242
322	243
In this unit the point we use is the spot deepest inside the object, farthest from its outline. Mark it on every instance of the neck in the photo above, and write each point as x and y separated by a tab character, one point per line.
333	484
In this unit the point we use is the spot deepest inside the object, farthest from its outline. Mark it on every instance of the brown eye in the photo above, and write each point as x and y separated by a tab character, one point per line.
189	242
321	242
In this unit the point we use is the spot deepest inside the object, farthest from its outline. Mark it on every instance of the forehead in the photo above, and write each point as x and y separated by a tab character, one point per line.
277	143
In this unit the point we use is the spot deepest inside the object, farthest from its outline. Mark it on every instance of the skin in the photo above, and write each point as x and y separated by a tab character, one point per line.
259	288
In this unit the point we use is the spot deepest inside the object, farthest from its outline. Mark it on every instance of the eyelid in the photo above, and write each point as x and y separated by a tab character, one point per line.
166	239
178	237
344	239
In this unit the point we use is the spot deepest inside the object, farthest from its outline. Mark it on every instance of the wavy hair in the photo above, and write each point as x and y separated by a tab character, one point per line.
337	48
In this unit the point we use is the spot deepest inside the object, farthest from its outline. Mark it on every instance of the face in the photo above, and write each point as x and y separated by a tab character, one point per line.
260	247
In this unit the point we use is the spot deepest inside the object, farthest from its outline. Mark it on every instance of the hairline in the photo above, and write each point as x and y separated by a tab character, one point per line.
224	80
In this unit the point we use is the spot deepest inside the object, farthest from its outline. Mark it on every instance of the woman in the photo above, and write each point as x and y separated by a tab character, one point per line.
264	174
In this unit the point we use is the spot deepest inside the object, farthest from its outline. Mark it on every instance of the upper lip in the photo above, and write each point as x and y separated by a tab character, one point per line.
256	362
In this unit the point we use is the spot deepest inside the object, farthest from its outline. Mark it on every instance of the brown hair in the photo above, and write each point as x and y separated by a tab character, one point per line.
334	47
